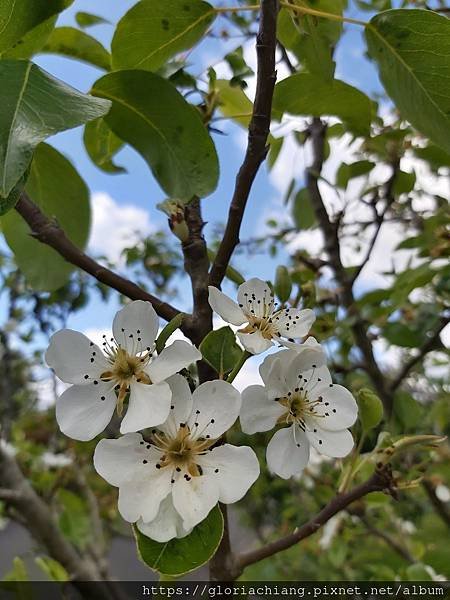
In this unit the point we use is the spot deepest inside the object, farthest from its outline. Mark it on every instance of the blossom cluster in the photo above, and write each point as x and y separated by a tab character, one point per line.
172	464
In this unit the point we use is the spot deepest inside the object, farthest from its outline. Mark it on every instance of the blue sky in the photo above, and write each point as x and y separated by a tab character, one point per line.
139	188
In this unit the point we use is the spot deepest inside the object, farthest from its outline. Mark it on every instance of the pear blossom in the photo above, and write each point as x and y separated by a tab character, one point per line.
299	395
125	368
170	479
265	323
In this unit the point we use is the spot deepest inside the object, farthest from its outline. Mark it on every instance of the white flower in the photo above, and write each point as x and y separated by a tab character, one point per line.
169	482
264	322
299	394
103	379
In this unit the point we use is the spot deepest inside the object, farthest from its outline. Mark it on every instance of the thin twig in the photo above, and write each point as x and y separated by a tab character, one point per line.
441	508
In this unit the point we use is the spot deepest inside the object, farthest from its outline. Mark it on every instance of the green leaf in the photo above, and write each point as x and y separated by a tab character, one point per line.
303	211
85	20
6	204
220	350
102	145
305	94
180	556
52	568
55	186
411	48
168	330
17	17
74	520
154	118
404	182
283	283
35	106
408	410
370	409
18	572
77	44
350	171
434	156
152	32
234	103
32	41
400	334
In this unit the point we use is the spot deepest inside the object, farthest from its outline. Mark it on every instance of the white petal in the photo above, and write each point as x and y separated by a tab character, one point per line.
181	405
194	499
288	455
172	359
303	366
225	307
135	326
272	372
258	412
118	460
294	323
166	525
233	469
149	405
141	496
83	411
254	342
255	298
216	406
338	408
74	358
331	443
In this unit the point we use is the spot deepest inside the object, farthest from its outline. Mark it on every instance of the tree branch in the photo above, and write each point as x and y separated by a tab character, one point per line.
441	509
50	233
380	481
258	132
389	540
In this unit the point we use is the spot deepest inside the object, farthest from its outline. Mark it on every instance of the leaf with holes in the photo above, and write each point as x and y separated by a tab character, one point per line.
152	32
180	556
412	48
152	116
35	106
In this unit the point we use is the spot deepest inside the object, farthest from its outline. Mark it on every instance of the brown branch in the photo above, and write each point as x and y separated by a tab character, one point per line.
441	509
379	481
389	540
258	132
50	233
427	347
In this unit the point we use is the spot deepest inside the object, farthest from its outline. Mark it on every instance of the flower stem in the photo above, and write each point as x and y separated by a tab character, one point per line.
238	366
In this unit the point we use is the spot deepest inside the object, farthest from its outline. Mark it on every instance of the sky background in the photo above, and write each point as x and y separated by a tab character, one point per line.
125	203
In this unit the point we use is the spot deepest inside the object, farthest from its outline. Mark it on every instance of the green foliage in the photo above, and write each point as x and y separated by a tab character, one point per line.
55	186
73	519
233	102
85	20
168	330
220	350
370	409
180	556
411	48
346	172
52	568
283	283
150	114
102	145
77	44
305	94
36	106
303	211
152	32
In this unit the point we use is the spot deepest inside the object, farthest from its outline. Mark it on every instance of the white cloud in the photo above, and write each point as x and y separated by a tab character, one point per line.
115	227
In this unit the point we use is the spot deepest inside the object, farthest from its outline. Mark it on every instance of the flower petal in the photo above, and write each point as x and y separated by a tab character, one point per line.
194	499
233	469
338	409
216	406
254	342
294	323
74	358
331	443
135	326
181	405
255	298
272	372
303	367
118	460
225	307
83	411
166	525
171	360
288	452
141	496
258	412
149	405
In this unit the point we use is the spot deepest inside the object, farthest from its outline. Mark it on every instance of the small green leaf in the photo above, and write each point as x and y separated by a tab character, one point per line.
77	44
407	410
411	48
85	20
6	204
303	211
102	145
32	41
400	334
55	186
370	409
170	328
153	117
220	350
283	283
17	573
180	556
305	94
17	17
234	103
152	32
35	106
350	171
52	568
404	182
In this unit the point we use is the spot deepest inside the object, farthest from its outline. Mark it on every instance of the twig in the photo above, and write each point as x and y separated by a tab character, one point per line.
379	481
258	132
390	541
50	233
441	509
